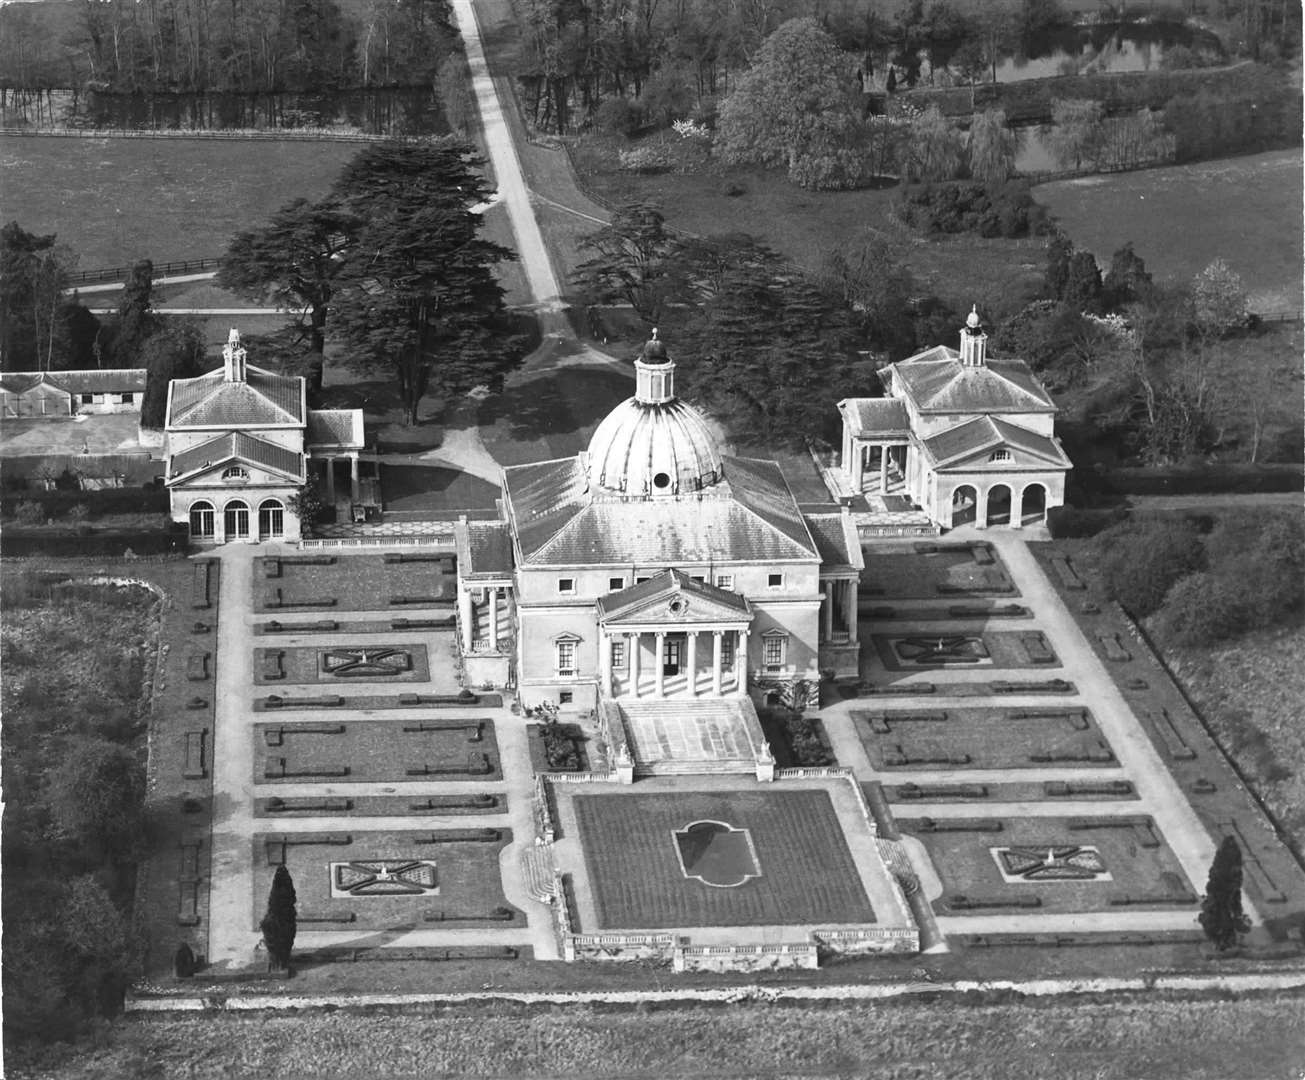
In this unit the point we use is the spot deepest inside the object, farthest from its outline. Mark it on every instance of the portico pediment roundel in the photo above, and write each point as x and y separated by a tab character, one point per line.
677	606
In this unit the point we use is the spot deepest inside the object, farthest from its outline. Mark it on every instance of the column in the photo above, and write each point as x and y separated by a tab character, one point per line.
330	481
883	470
633	662
852	600
827	609
353	476
493	619
980	507
741	661
605	661
1016	507
858	464
693	663
717	637
659	665
467	617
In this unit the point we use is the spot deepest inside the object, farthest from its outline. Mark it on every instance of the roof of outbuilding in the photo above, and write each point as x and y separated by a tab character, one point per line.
835	540
876	416
261	400
486	551
335	427
986	433
92	381
938	382
236	445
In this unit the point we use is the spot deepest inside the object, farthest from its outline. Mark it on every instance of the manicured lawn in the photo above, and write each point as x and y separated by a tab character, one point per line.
897	571
806	871
470	887
309	665
980	738
1245	210
355	582
379	750
159	199
1138	861
422	487
1085	790
385	806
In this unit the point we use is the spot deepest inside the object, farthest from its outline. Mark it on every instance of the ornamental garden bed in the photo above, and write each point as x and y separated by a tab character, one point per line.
1055	864
929	571
382	805
355	881
796	740
557	748
352	583
451	748
982	738
286	703
961	791
984	650
297	664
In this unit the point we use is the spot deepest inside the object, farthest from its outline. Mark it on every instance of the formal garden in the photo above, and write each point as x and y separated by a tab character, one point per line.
947	649
396	581
925	570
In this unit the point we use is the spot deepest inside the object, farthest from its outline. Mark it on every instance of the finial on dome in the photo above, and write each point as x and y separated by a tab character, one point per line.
972	320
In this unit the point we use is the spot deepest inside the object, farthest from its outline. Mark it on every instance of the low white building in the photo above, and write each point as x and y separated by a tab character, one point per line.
38	394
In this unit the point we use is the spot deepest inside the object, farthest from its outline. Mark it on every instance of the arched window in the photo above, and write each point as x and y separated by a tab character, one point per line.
235	520
271	519
999	455
201	520
235	472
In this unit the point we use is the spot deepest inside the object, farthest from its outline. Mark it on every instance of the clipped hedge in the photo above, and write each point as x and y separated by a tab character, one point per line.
1237	479
57	504
17	541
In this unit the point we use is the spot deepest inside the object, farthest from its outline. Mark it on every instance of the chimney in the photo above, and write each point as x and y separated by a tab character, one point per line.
974	342
233	355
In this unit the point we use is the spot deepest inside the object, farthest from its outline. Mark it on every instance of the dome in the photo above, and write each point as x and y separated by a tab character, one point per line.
653	449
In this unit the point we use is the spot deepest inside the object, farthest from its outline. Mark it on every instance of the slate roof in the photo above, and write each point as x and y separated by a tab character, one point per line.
836	547
988	433
937	382
237	445
262	400
666	584
335	427
884	417
96	381
750	516
486	551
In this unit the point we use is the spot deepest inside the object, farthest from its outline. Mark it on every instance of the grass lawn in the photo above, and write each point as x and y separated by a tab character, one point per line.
897	571
1085	790
979	738
117	200
991	649
379	750
356	806
631	861
422	487
308	665
355	582
1159	1037
1246	210
551	416
965	863
470	886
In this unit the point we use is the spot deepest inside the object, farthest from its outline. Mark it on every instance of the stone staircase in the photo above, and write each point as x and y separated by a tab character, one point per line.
537	870
686	736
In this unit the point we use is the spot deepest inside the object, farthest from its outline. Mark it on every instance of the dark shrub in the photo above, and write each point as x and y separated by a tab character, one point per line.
1141	561
1007	210
1070	521
618	116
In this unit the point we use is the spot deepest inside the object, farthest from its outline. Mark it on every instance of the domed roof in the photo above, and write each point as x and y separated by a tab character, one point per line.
653	449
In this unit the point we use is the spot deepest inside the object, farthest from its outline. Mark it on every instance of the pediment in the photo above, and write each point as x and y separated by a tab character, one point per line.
680	609
257	476
1018	459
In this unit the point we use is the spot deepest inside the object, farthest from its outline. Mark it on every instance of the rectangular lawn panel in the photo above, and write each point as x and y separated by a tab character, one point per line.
915	650
1142	869
353	583
981	738
635	872
354	663
896	571
360	751
470	887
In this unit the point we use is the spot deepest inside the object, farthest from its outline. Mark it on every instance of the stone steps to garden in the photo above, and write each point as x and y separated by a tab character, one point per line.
538	871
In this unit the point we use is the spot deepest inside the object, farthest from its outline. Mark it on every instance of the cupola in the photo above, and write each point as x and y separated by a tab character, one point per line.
233	357
974	342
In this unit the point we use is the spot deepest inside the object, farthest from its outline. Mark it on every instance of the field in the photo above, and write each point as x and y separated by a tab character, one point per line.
1255	1038
806	871
1246	210
116	200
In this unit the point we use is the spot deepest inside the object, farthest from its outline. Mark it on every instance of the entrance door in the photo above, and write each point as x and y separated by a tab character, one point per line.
671	656
235	520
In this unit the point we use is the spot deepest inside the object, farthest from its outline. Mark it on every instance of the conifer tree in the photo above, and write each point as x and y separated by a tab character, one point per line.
1221	916
279	923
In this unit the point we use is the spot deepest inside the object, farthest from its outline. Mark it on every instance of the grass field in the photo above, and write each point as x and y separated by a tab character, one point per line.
116	200
1256	1038
1246	210
806	871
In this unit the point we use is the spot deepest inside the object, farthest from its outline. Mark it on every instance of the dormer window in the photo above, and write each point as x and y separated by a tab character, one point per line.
999	455
235	472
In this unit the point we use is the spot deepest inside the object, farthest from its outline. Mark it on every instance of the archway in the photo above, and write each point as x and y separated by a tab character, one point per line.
271	519
235	520
201	520
1033	505
999	505
965	500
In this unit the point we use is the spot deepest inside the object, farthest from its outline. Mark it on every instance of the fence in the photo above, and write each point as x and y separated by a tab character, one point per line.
121	273
377	541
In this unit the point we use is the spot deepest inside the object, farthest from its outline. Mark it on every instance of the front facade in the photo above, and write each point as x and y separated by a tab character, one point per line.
238	446
36	394
966	438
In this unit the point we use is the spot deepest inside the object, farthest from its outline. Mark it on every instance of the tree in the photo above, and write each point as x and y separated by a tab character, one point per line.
1059	252
96	797
1141	564
934	148
633	262
864	273
176	351
308	502
992	146
33	275
1078	132
416	295
1218	300
796	106
134	322
1127	280
1083	283
280	922
1221	916
292	262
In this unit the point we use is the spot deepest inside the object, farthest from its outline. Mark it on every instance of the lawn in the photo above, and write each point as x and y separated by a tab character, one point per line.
910	650
634	870
354	582
1245	210
379	751
1138	862
294	665
466	872
1085	790
116	200
356	806
1159	1037
982	738
425	487
898	571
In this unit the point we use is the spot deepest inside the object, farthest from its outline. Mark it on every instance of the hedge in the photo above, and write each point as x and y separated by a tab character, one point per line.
1207	480
57	504
16	541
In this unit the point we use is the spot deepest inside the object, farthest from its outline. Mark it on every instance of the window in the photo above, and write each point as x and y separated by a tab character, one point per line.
725	581
126	399
773	649
775	581
566	658
88	399
235	472
699	579
615	583
640	580
235	520
201	520
565	697
566	585
999	455
618	655
727	651
271	519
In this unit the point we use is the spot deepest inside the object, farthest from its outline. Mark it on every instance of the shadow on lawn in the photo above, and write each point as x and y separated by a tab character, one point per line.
560	403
